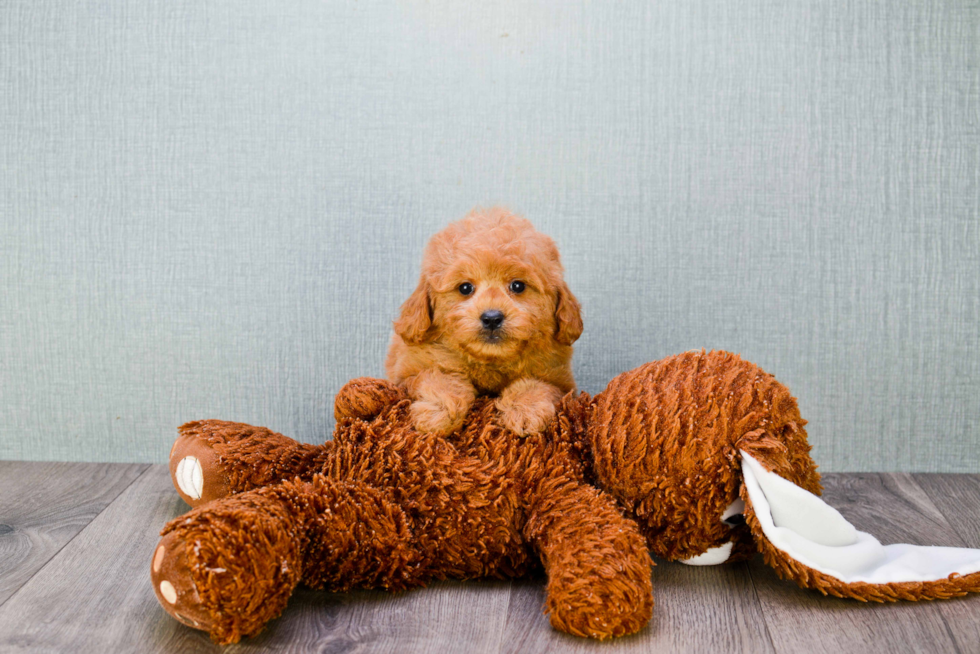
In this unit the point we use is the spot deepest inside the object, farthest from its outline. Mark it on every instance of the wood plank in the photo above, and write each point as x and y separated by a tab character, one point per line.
445	617
958	497
894	508
95	594
697	609
44	505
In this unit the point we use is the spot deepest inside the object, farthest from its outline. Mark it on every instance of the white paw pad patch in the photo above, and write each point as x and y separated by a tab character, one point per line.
168	591
158	558
190	477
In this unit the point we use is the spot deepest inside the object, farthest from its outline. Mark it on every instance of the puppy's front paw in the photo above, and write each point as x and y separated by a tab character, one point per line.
527	406
525	420
435	418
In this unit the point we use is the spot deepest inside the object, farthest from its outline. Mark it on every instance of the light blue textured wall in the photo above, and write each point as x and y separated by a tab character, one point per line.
214	209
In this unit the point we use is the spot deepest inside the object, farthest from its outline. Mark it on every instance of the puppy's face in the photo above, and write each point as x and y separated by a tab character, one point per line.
491	304
491	285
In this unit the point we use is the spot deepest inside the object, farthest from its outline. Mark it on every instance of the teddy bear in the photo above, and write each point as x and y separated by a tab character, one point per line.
701	457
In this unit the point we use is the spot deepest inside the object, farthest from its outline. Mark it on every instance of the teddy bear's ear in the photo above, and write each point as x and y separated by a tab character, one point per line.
810	542
416	315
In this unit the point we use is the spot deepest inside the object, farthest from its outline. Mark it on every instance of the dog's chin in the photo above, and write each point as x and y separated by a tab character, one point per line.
492	338
491	346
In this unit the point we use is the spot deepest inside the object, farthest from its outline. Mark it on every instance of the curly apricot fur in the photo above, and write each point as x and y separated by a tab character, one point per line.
444	358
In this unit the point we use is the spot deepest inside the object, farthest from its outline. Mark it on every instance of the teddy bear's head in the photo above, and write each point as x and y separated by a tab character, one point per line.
667	439
709	454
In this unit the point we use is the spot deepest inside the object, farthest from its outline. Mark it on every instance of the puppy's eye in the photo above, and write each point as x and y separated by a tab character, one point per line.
465	288
517	286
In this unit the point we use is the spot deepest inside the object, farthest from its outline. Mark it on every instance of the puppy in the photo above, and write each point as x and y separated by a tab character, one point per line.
491	315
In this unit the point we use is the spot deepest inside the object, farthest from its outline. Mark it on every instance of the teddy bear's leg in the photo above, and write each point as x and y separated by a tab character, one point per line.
364	398
213	458
597	563
230	566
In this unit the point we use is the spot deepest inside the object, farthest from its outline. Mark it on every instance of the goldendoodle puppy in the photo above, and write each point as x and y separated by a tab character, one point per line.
492	315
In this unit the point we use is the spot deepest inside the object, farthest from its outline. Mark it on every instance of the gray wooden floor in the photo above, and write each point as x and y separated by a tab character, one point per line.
76	540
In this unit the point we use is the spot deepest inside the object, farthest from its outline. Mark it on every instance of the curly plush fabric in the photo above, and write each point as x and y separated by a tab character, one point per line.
665	441
654	461
394	508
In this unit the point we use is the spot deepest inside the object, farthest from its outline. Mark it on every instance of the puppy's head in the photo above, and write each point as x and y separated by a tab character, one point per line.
490	285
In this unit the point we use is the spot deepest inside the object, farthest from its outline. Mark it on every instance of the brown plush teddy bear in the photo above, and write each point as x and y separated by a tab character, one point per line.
701	457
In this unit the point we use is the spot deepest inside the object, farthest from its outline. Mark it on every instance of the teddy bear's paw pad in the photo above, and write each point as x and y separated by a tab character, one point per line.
196	470
174	586
190	477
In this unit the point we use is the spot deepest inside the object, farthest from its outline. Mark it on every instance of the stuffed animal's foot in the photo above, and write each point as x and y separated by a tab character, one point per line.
600	589
174	585
195	468
228	568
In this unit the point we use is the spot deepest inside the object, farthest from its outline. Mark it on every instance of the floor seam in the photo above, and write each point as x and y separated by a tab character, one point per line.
953	524
54	555
949	632
762	608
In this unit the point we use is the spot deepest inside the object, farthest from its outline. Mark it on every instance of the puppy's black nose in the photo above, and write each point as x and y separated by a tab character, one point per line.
492	319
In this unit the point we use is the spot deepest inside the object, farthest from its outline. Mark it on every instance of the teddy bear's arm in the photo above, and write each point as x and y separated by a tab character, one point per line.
597	563
213	458
364	398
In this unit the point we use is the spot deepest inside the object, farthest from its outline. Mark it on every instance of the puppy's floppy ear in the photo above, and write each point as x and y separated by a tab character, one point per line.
416	315
568	316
